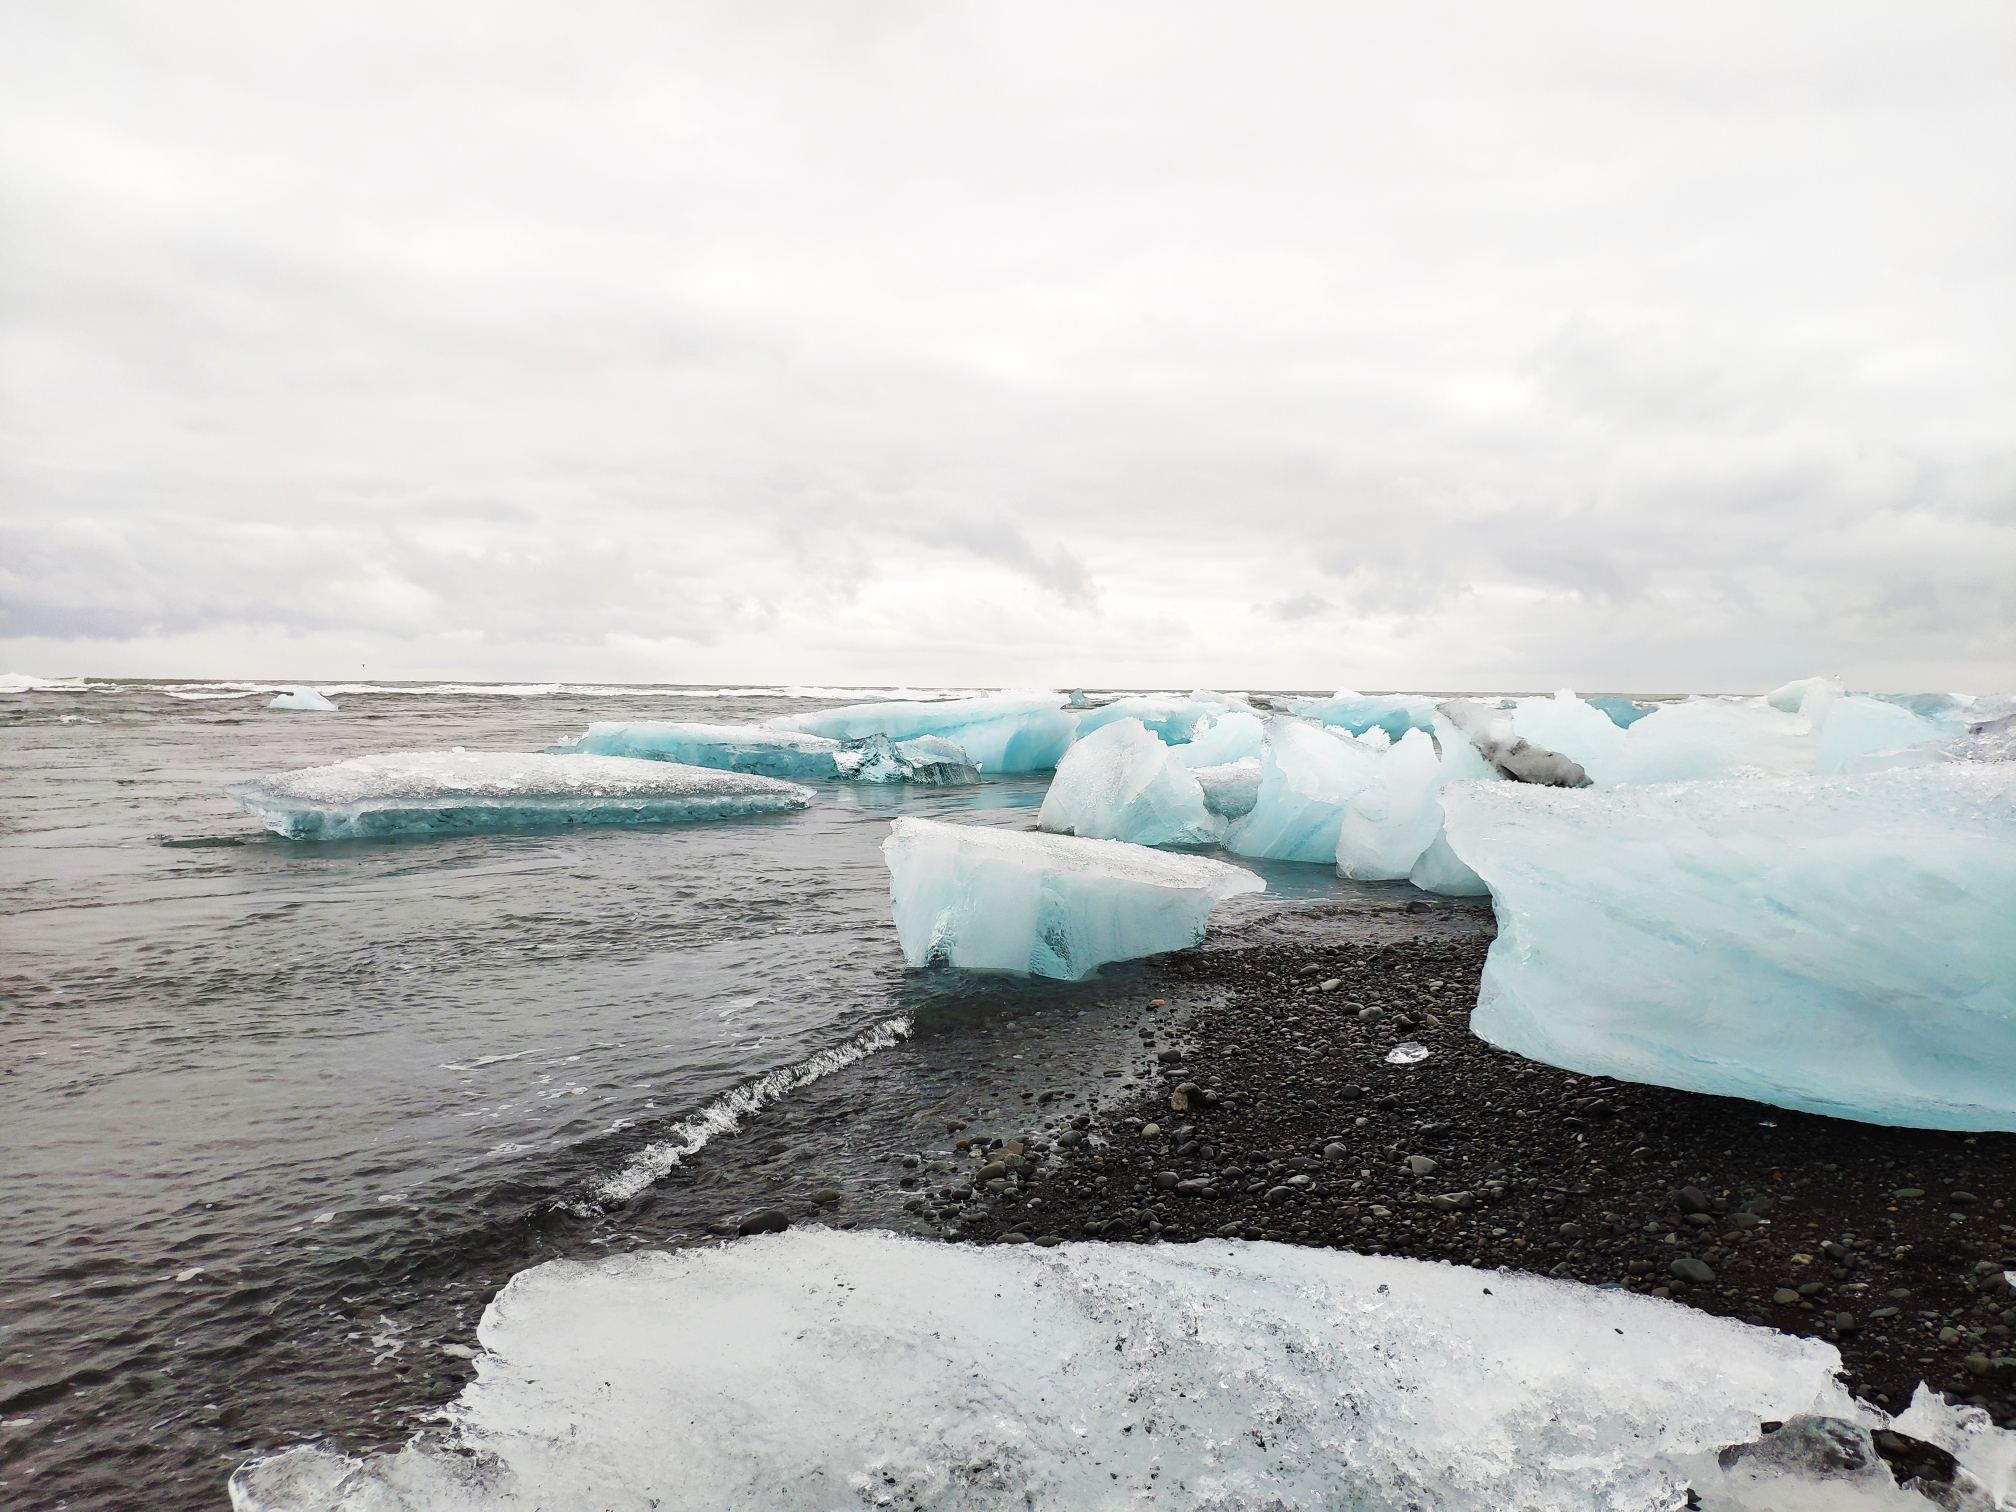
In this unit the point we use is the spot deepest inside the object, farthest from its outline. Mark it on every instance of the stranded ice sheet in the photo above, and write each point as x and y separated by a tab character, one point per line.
430	792
1841	945
927	760
814	1370
1045	905
1011	732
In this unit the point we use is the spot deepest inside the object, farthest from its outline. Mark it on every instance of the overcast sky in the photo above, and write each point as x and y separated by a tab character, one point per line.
1624	346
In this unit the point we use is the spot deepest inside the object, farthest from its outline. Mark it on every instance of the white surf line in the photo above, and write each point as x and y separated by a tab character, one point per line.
724	1115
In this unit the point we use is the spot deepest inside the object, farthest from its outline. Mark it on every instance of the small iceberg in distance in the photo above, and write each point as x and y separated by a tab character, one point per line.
1045	905
304	700
453	792
927	760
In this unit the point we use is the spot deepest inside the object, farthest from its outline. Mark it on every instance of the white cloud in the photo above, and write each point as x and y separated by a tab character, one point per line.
988	344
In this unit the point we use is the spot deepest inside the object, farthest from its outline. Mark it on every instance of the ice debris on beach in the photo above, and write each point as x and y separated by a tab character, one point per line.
1308	777
1842	945
927	760
1045	905
306	700
815	1369
1122	783
434	792
1009	732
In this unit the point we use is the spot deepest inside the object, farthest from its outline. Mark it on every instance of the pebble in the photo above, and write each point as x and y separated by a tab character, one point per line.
1169	1057
1151	1131
994	1170
1423	1165
769	1221
825	1197
1844	1323
1691	1200
1786	1297
1908	1192
1687	1268
1331	985
1335	1151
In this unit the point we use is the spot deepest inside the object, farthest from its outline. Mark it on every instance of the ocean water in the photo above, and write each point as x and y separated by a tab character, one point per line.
280	1117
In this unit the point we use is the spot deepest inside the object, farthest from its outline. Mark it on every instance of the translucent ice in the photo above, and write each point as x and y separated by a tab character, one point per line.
813	1369
1171	720
1565	723
1842	945
1856	724
1395	817
1231	790
304	699
926	760
1308	777
1233	735
1045	905
1623	712
1711	737
1122	783
1395	713
1010	732
429	792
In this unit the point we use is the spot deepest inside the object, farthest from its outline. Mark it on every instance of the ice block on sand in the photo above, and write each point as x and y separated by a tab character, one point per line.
443	792
1010	732
1841	945
1045	905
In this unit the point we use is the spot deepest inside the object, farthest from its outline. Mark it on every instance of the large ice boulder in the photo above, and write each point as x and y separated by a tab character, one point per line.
441	792
1009	732
1395	817
1703	738
1358	713
1842	945
926	760
1857	724
818	1369
1308	777
1045	905
1122	783
1564	723
1232	735
303	700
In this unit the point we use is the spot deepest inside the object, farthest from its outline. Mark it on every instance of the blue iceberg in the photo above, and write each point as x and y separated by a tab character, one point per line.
1841	945
1173	721
1045	905
1395	713
1308	777
1122	783
1231	790
926	760
303	700
444	792
1009	732
1233	735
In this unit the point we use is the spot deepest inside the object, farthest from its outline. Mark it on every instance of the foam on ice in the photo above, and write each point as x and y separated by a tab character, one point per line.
1010	732
1122	783
1045	905
1843	945
813	1369
926	760
303	699
431	792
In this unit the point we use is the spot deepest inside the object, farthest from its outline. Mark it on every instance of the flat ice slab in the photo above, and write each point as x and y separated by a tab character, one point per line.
813	1370
304	700
1841	945
437	792
768	752
1045	905
1010	732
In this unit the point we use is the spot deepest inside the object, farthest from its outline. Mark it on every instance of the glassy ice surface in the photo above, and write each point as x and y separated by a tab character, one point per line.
814	1369
1010	732
441	792
1231	790
304	700
1047	905
1122	783
1842	945
777	753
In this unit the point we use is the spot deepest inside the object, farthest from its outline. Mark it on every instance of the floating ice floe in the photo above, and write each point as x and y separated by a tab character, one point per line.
814	1369
306	700
1842	945
432	792
1012	732
1045	905
1394	713
926	760
1122	783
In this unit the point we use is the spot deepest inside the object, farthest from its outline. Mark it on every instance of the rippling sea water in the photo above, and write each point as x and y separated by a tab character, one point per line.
280	1117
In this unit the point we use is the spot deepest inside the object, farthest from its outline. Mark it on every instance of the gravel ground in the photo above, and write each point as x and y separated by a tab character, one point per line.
1891	1243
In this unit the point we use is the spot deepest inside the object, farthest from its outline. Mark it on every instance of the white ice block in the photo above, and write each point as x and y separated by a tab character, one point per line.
1233	735
1308	777
1394	713
1045	905
1395	817
303	700
926	761
1709	738
1842	945
1122	783
1173	721
815	1369
1857	724
1010	732
440	792
1564	723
